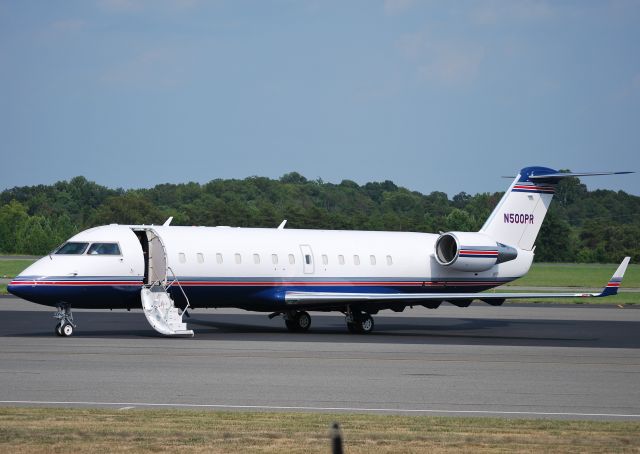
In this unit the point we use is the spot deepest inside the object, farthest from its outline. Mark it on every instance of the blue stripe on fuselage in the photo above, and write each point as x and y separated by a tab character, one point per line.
254	293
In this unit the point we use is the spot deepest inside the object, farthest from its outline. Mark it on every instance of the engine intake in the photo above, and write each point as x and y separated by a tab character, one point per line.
469	251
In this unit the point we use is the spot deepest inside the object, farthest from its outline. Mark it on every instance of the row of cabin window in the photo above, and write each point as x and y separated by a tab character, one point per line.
274	259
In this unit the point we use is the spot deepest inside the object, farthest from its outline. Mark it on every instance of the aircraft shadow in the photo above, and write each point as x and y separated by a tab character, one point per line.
252	327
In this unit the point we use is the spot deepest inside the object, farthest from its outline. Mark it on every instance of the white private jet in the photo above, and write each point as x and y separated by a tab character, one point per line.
166	269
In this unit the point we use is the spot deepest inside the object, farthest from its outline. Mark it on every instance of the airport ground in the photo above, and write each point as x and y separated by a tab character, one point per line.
548	361
565	375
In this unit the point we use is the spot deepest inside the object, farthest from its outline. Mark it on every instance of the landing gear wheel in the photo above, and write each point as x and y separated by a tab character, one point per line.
303	321
298	322
365	324
65	324
67	330
362	325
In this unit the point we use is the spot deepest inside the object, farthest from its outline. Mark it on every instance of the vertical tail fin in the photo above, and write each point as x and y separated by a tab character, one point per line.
517	219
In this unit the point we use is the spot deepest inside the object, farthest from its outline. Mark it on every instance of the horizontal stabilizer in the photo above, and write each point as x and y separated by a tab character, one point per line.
417	298
555	177
559	175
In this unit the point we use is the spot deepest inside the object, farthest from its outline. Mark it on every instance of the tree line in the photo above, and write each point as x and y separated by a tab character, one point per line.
581	226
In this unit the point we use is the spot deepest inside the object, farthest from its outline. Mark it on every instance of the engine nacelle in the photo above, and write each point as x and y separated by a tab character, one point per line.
470	251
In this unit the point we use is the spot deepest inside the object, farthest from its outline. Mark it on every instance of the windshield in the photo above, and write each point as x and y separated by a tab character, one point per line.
104	249
72	248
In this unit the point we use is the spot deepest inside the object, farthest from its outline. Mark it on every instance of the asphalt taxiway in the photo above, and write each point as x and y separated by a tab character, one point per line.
551	361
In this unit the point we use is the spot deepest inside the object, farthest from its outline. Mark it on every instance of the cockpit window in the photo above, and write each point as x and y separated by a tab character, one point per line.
72	248
104	249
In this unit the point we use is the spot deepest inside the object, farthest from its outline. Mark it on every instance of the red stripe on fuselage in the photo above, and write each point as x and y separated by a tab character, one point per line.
75	283
267	283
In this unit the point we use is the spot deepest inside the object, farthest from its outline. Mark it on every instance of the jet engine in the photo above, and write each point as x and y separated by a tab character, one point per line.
470	251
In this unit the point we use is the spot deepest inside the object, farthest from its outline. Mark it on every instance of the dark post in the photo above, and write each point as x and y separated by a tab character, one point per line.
336	439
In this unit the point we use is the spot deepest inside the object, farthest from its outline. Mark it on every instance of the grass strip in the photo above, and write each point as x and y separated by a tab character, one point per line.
576	275
622	299
11	268
38	430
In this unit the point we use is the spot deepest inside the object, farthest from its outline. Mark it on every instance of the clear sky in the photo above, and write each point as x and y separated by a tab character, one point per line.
434	95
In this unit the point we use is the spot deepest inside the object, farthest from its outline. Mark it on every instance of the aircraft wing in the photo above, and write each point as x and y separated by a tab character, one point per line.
347	297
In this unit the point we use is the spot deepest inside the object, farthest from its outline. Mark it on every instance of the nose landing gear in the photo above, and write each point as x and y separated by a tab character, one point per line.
65	325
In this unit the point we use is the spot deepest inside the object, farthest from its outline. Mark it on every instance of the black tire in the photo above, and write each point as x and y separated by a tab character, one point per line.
365	324
303	321
291	325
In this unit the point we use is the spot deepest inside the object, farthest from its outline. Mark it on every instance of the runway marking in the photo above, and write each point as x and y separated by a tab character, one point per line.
129	405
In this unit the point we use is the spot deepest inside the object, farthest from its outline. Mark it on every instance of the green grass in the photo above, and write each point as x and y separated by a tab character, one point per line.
576	275
619	299
11	268
61	430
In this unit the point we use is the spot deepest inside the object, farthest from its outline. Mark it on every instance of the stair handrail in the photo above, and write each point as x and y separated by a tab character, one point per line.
175	279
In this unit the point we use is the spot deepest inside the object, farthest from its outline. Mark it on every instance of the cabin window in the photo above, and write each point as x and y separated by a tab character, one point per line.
389	260
238	258
256	259
72	248
341	259
292	259
200	257
104	249
356	260
219	258
325	259
182	258
372	258
307	259
274	259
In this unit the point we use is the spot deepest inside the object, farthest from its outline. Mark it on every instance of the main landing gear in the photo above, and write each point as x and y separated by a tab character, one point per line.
297	321
65	325
359	322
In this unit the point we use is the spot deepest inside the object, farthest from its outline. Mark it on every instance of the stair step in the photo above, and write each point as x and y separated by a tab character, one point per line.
161	313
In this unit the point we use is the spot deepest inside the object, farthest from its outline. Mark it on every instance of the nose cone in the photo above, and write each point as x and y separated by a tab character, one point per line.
22	287
25	285
15	287
30	291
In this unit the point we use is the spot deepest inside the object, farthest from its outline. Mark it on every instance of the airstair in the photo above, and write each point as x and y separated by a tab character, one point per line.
160	310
